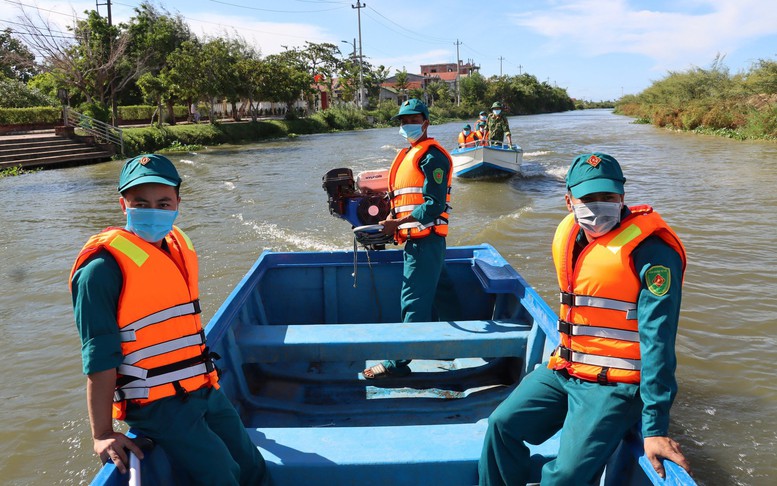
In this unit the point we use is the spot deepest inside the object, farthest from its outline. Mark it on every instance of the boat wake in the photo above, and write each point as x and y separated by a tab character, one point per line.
286	239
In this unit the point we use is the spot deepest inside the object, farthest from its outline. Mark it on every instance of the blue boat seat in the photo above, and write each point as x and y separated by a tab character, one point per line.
497	278
378	456
351	342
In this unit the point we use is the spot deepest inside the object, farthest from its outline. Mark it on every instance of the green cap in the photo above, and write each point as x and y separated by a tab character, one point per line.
467	127
412	106
481	124
497	104
483	113
148	168
596	172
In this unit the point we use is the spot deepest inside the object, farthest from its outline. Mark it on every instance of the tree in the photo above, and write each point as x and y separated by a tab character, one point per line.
154	35
401	82
183	74
473	89
16	60
323	63
284	79
154	90
92	62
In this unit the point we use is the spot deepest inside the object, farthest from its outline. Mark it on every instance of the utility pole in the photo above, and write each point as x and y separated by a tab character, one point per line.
358	8
97	7
500	65
458	72
519	69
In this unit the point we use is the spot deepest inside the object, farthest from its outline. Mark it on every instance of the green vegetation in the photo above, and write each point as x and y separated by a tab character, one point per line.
711	101
15	171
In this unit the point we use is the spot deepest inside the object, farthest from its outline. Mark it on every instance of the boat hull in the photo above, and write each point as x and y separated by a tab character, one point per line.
486	161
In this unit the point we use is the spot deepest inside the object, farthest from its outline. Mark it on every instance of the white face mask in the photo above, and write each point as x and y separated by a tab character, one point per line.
598	218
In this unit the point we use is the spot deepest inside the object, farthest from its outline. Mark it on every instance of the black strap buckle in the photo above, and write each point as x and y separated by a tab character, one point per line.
180	391
567	298
565	353
601	378
197	308
564	327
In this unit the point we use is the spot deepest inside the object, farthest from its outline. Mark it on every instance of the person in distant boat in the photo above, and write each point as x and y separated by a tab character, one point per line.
468	138
137	310
620	270
482	132
497	125
419	188
482	117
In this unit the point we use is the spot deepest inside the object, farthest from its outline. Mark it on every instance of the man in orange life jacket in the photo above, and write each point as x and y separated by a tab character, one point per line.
419	189
135	298
468	138
620	271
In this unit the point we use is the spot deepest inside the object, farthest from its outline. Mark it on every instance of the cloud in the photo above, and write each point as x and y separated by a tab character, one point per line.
669	38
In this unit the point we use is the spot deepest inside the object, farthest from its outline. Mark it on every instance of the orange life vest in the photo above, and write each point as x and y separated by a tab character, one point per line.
598	318
406	183
162	339
468	140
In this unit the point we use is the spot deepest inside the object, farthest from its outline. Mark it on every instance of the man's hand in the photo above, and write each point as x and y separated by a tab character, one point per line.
113	447
389	226
657	448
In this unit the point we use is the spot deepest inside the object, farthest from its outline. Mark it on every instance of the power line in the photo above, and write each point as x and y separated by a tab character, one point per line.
273	11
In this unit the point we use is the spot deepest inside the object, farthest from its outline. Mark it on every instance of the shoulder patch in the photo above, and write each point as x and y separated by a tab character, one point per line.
437	175
658	279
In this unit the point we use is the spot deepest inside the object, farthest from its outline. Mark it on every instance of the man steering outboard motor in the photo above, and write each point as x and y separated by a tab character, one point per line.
363	203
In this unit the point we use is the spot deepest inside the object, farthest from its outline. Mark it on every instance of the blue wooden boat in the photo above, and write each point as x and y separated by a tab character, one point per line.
299	328
484	161
297	331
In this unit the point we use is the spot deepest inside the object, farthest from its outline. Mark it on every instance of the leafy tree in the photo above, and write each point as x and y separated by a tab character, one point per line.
762	78
154	35
438	91
473	89
401	82
16	60
15	94
373	77
284	79
323	63
154	91
184	77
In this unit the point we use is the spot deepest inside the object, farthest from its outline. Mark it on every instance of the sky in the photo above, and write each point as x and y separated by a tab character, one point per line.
595	49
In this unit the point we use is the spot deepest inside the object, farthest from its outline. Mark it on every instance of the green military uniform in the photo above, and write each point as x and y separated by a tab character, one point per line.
424	258
498	127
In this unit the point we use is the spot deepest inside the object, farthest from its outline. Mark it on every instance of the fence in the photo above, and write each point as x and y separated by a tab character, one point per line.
102	132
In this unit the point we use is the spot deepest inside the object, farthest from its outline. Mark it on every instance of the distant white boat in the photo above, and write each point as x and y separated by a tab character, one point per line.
495	160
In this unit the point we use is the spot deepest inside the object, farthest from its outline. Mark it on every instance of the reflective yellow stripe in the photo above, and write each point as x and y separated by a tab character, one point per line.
186	238
134	252
626	235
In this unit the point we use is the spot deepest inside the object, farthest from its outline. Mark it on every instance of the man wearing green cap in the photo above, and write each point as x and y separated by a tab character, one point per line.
497	125
468	138
419	190
136	305
620	271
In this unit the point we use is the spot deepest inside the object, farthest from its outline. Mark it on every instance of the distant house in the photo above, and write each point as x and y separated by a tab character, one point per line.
447	72
414	81
389	93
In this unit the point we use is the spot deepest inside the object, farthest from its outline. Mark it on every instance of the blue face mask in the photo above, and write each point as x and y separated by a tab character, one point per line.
151	225
496	112
466	132
412	131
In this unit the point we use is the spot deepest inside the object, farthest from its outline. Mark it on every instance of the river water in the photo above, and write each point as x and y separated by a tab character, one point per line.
237	201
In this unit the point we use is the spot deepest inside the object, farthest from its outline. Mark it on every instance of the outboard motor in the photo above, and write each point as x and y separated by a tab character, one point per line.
363	203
